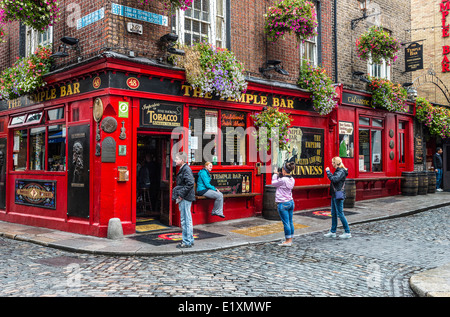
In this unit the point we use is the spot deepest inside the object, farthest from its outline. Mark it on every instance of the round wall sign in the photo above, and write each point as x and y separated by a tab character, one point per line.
109	124
133	83
391	155
391	144
391	133
97	110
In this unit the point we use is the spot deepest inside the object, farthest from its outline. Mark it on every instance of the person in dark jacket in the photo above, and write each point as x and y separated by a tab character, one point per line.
337	205
437	163
184	195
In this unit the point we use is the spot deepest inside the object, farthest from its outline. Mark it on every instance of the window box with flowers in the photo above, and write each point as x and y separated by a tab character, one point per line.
25	76
212	69
388	95
291	17
437	119
377	45
316	80
38	14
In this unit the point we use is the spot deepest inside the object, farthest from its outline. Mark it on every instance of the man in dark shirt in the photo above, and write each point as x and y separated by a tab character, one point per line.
437	163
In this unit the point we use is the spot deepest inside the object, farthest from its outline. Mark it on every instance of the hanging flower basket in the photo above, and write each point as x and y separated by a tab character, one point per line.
437	119
291	17
2	25
25	76
276	124
387	95
38	14
214	70
378	45
176	4
316	80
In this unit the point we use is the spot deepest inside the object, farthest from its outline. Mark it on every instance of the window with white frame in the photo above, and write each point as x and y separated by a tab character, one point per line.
308	51
203	21
382	70
34	38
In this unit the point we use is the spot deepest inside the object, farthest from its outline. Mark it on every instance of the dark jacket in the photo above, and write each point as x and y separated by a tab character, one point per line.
185	184
437	161
337	179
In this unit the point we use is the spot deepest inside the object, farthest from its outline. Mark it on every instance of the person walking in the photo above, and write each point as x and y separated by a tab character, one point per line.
284	182
337	205
204	188
184	195
437	163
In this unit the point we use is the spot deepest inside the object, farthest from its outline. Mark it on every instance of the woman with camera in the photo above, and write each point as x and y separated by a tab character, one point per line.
284	183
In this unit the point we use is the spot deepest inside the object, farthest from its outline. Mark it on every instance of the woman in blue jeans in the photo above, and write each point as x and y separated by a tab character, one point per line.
337	205
283	197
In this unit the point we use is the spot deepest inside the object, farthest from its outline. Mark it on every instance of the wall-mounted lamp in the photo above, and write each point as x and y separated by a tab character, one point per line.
363	5
275	65
411	91
169	40
67	41
360	76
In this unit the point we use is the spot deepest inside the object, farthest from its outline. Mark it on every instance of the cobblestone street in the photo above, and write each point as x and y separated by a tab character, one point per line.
377	261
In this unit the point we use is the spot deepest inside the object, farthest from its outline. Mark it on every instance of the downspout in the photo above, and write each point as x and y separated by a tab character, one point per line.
335	44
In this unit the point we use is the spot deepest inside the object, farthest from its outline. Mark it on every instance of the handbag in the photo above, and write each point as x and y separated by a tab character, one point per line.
339	194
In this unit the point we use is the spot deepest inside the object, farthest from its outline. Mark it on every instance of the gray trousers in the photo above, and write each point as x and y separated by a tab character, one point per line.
218	203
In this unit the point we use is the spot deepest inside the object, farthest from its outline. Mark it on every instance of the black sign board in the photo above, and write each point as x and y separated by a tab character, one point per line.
413	57
78	171
36	193
231	183
157	114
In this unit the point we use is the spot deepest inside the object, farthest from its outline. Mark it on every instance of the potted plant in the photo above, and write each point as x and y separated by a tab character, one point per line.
378	45
273	121
214	70
38	14
437	119
25	76
291	17
316	80
176	4
387	95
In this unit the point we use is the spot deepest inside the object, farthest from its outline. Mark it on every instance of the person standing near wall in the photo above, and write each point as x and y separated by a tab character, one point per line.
437	163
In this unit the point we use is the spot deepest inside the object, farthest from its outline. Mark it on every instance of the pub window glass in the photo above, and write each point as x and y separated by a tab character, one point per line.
370	149
34	118
55	114
56	148
203	127
20	150
37	149
233	125
376	151
364	150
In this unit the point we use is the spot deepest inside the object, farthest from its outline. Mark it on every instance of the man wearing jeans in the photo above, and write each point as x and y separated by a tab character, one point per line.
437	163
184	195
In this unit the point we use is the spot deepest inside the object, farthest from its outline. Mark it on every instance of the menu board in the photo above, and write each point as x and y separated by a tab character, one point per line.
233	133
231	183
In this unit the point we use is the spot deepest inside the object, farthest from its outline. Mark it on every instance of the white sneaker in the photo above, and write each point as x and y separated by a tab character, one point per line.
345	236
440	190
330	235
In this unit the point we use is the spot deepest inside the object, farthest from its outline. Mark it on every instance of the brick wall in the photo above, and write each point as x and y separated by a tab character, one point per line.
248	40
426	25
395	16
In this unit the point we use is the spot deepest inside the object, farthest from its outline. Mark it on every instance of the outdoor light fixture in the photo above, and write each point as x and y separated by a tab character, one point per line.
363	5
360	76
170	39
67	41
411	91
273	64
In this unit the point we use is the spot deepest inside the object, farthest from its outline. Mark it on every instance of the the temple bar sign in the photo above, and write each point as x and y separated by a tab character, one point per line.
413	57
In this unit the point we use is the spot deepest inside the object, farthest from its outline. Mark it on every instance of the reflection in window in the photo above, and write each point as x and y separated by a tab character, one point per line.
20	150
376	151
203	127
37	149
57	148
370	149
55	114
364	150
18	120
233	126
34	117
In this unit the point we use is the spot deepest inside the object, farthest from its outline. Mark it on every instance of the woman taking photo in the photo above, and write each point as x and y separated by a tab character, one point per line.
204	188
284	183
337	205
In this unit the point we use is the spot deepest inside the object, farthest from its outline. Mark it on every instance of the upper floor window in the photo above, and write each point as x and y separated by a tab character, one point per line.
203	21
308	51
382	70
34	38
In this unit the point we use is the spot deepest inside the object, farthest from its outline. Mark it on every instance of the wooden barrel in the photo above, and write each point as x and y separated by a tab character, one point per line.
423	183
270	208
350	193
431	182
410	183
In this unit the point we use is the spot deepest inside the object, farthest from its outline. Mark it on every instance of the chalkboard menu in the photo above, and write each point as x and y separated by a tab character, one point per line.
231	183
233	126
418	149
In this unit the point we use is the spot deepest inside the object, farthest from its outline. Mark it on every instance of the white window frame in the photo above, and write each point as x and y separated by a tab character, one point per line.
218	40
34	38
384	69
312	44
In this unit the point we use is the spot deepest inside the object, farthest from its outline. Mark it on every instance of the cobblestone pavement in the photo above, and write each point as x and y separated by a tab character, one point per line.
377	261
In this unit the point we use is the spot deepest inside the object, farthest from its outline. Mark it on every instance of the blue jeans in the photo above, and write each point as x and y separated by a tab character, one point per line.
438	178
337	210
286	210
187	228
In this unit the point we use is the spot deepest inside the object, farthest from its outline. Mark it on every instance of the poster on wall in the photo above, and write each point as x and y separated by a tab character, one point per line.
346	139
36	193
306	150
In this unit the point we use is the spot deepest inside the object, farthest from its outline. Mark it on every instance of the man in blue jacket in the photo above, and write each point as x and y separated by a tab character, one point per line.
204	188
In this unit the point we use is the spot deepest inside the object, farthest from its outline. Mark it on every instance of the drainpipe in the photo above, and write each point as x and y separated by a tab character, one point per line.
335	44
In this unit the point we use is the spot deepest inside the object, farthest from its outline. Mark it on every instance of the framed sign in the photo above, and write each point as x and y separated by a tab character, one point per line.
36	193
346	139
231	183
156	114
